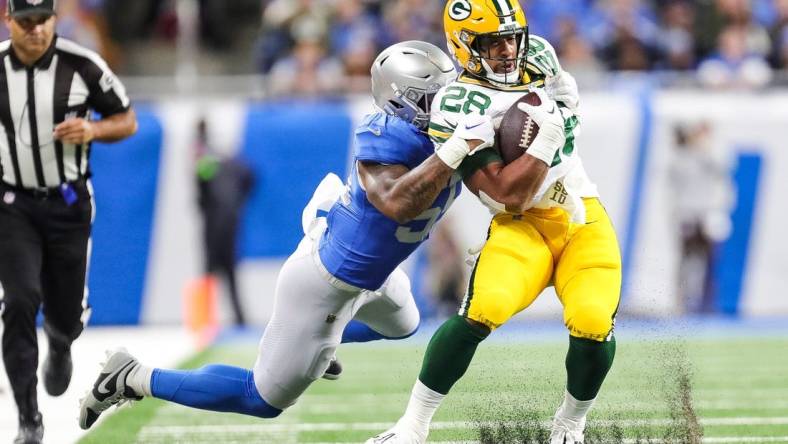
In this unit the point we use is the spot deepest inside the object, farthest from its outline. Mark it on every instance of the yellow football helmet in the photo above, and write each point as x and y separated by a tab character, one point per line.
472	26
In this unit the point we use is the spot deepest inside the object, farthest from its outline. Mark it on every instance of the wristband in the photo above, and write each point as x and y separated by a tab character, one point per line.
453	151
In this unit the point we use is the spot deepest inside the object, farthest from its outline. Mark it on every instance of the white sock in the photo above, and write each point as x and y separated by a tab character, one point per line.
139	379
423	404
574	409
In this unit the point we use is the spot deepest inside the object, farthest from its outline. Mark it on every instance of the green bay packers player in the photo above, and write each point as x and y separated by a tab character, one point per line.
549	227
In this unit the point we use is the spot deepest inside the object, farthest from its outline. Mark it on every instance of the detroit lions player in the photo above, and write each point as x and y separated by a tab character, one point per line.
346	265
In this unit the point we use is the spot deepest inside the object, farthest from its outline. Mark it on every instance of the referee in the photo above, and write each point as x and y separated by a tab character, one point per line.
48	87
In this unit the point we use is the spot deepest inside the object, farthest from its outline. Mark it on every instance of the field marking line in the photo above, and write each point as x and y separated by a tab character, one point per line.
439	425
710	440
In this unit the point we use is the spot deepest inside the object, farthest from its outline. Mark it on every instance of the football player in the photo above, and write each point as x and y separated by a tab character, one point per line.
549	227
346	265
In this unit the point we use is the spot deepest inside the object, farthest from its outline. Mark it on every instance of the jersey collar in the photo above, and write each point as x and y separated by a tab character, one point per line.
466	77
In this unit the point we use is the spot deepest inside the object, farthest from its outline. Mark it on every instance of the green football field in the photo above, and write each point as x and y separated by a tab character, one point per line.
661	390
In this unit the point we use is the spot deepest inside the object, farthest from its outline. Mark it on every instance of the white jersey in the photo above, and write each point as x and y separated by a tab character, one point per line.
566	182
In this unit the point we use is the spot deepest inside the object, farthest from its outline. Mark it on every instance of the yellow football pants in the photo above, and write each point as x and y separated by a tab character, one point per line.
525	253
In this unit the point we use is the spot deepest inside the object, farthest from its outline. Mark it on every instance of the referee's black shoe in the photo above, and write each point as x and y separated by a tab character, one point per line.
31	430
57	368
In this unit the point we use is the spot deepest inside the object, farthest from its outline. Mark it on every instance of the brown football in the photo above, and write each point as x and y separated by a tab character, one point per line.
517	130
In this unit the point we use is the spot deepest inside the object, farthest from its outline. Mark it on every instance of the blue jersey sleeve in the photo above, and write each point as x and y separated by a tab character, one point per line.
390	140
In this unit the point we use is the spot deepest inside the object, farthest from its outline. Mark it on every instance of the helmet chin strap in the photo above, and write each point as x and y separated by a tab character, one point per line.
513	78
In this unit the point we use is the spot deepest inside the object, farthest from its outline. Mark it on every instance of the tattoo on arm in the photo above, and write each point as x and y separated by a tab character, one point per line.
403	194
421	186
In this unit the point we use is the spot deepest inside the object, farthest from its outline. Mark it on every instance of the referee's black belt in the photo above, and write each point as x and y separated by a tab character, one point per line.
43	193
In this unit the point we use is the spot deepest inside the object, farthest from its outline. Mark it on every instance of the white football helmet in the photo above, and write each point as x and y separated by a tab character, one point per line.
405	78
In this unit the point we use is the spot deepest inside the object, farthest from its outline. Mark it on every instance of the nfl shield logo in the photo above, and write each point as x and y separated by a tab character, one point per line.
34	2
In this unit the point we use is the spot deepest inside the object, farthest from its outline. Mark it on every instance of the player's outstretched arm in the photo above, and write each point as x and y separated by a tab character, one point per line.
402	194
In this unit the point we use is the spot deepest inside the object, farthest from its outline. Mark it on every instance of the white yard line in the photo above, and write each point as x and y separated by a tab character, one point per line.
230	429
327	408
711	440
154	346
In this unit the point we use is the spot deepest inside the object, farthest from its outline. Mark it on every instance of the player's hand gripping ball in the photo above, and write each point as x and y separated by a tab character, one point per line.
517	130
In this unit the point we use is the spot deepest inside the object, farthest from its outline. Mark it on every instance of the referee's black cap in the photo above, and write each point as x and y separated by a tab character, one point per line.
25	8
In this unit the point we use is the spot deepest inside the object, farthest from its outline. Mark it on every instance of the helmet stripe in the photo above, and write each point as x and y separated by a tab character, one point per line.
498	7
505	11
508	7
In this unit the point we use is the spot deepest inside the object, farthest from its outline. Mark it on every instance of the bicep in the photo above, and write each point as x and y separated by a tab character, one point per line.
378	179
484	178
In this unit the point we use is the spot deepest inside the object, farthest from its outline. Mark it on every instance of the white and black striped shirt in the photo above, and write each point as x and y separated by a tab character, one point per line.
67	81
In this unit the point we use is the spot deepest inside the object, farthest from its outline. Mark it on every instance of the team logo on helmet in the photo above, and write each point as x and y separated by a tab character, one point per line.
459	10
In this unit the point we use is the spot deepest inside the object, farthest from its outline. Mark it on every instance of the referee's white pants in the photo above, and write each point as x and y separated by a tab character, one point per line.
311	310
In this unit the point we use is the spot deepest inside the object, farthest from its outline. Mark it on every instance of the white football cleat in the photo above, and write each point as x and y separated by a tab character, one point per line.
398	435
567	431
110	387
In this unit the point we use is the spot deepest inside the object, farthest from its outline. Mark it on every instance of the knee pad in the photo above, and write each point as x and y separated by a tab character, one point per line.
397	289
407	334
590	322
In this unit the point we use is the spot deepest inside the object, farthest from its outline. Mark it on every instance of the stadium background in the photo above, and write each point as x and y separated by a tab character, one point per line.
282	83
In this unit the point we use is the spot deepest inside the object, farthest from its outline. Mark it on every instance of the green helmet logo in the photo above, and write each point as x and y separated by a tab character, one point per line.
459	10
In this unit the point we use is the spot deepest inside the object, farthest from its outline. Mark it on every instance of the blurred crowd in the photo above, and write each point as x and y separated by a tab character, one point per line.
327	46
728	43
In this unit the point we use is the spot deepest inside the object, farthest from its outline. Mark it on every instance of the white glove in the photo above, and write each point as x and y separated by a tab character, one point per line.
550	137
562	87
471	127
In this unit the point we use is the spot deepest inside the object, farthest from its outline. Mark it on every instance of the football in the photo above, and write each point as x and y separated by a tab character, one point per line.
517	130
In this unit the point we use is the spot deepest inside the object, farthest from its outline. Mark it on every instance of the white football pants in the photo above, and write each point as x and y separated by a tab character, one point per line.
311	310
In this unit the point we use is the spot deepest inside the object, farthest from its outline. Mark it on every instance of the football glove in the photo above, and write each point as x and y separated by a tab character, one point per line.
550	137
471	127
562	87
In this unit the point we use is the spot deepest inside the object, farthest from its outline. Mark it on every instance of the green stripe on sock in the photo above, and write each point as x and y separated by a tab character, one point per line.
449	353
587	364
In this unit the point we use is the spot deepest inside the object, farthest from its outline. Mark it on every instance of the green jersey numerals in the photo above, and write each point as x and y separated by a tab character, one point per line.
542	58
569	147
458	99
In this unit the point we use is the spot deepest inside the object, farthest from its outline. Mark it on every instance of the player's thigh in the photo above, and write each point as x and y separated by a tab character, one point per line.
303	333
588	276
513	267
390	311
